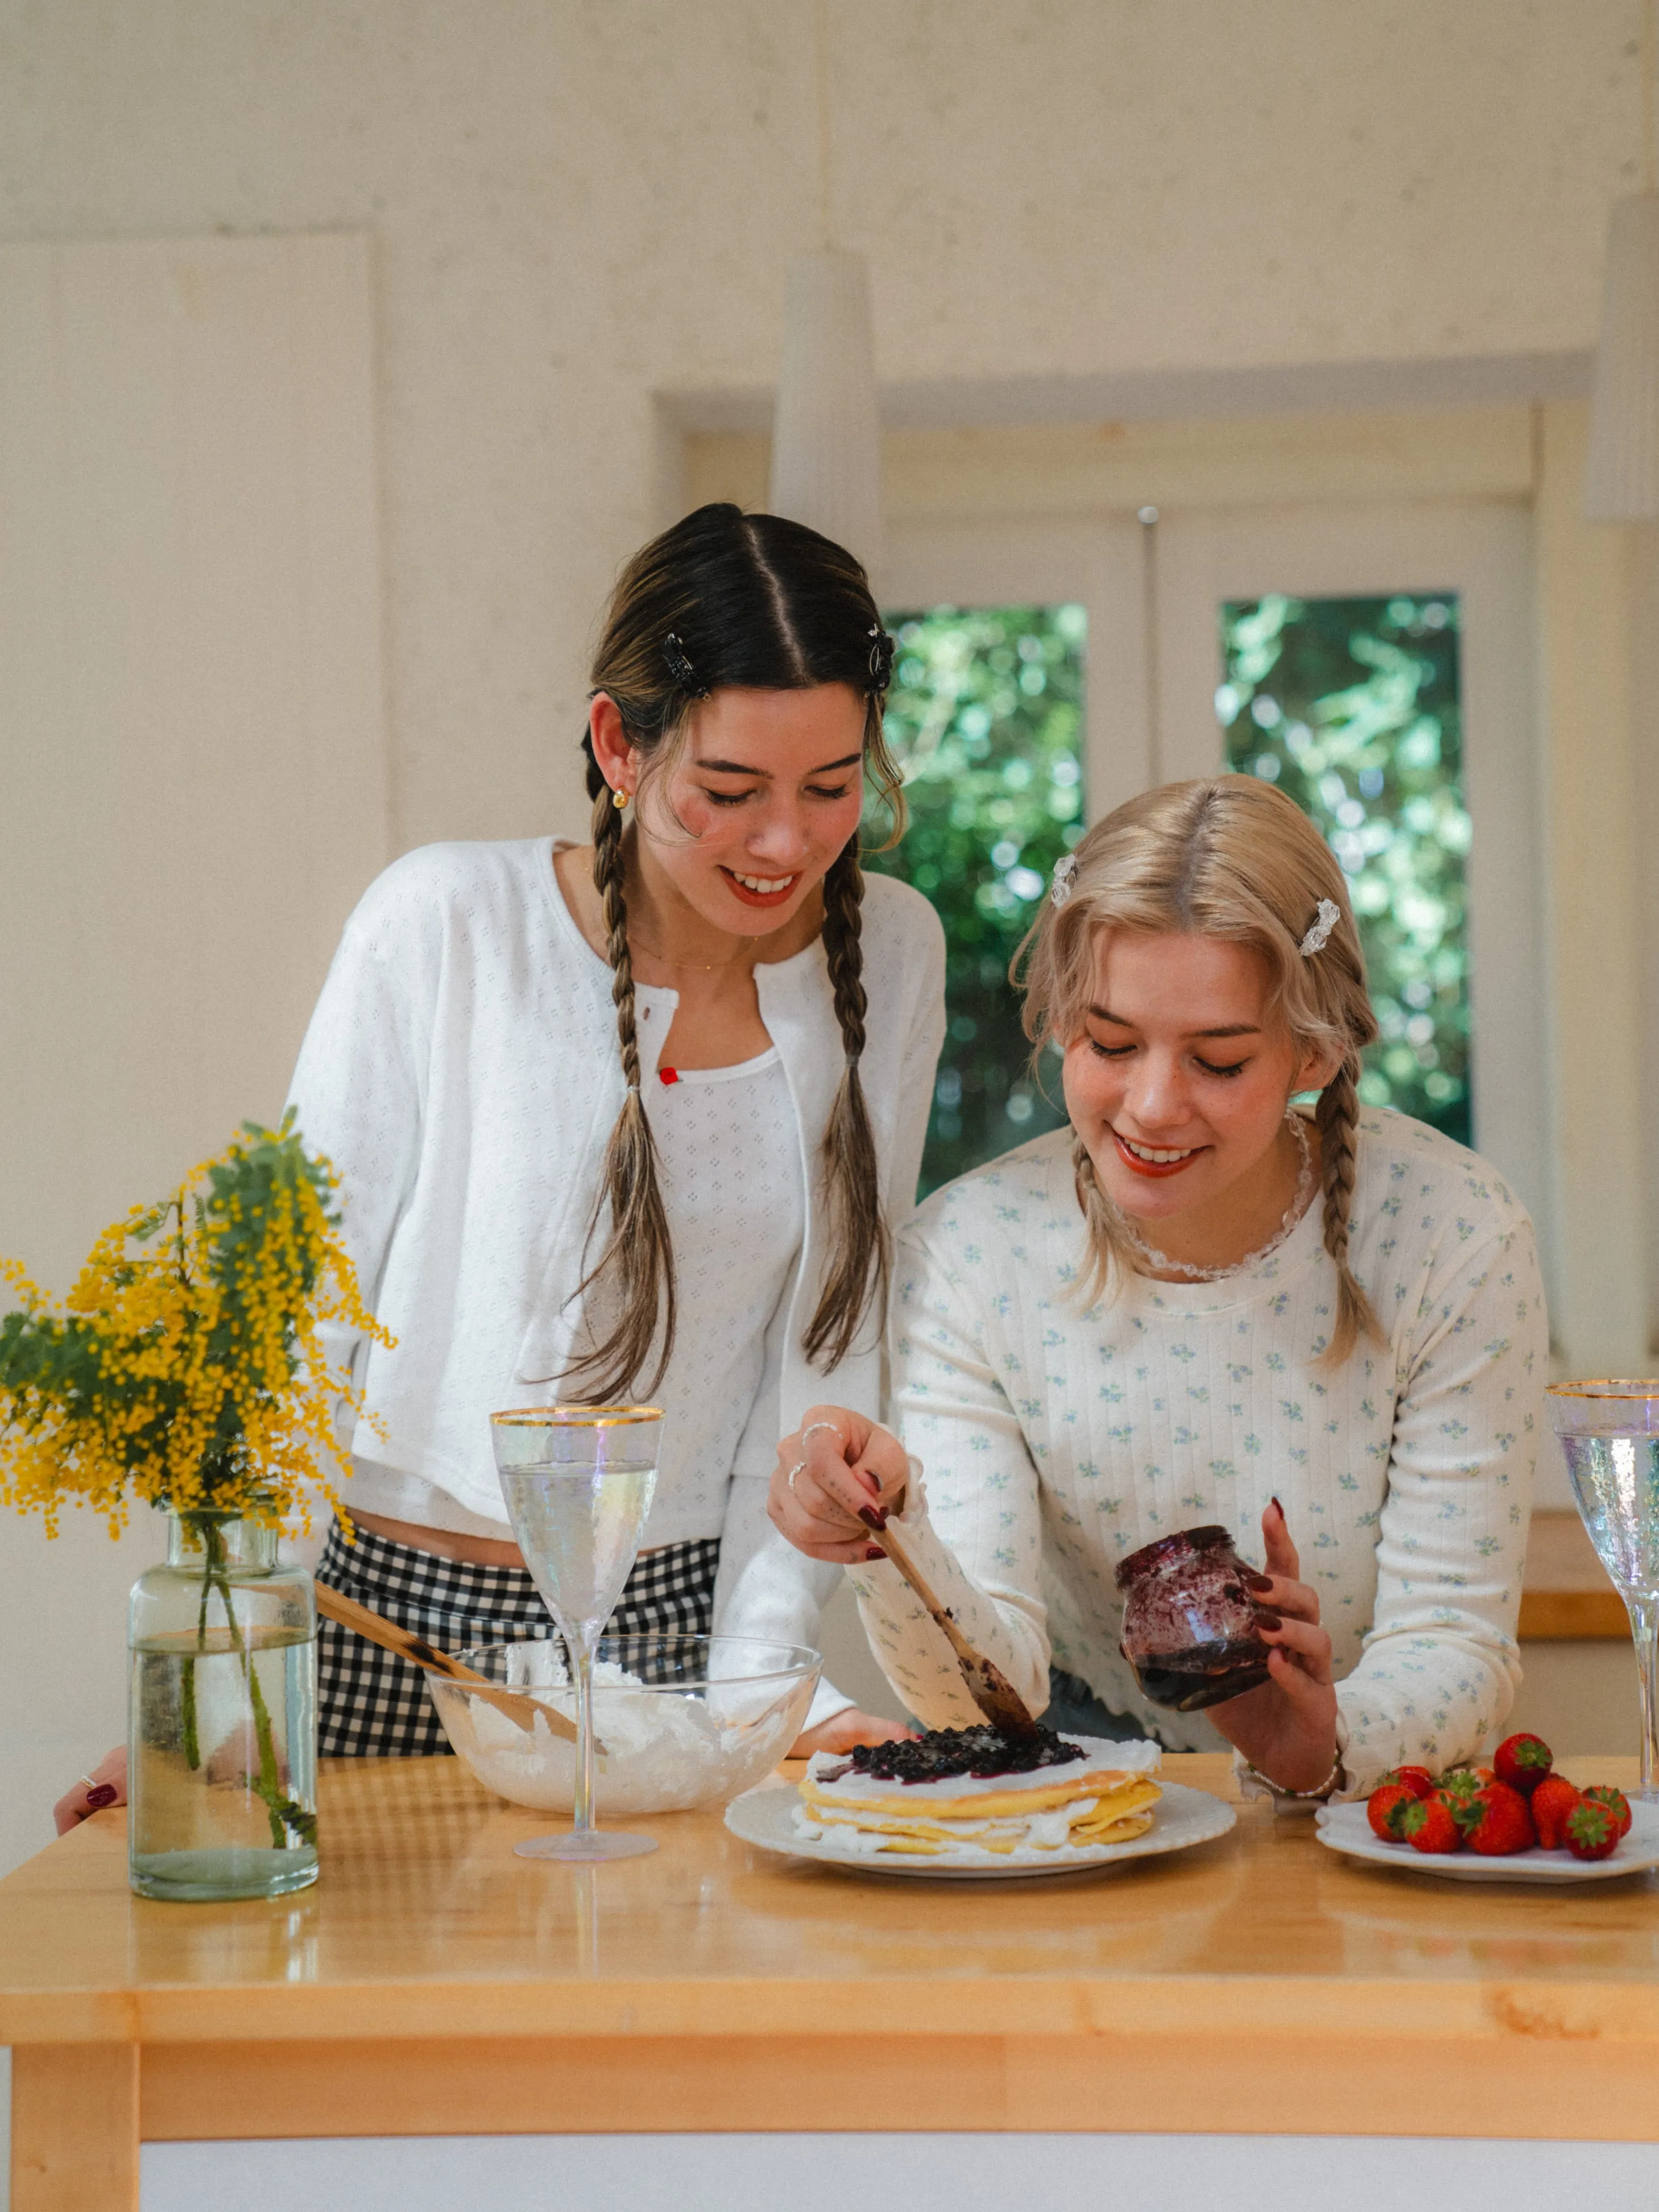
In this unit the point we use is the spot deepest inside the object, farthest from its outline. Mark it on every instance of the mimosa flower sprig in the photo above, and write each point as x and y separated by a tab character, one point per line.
186	1366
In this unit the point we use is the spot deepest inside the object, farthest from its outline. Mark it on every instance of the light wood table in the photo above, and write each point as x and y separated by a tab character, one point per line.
433	1984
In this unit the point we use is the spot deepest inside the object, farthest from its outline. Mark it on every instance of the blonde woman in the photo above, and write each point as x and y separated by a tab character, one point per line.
1197	1305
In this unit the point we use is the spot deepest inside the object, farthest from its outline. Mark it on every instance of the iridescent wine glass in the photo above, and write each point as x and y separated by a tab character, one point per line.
578	1481
1609	1431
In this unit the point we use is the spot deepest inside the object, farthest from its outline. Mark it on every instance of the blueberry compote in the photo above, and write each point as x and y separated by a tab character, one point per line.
943	1753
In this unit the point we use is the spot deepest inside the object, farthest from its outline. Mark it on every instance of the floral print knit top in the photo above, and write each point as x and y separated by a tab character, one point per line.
1053	1442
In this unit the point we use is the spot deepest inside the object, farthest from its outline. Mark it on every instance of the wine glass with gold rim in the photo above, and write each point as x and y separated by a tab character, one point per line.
1609	1431
578	1481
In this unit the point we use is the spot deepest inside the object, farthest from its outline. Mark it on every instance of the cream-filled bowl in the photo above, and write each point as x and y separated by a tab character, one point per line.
682	1720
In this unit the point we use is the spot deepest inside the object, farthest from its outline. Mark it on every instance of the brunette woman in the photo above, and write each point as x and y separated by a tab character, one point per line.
631	1120
1199	1304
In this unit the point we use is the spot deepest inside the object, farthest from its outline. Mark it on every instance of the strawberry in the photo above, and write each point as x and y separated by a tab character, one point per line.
1495	1822
1382	1809
1552	1802
1458	1783
1523	1761
1417	1779
1602	1793
1466	1776
1592	1830
1430	1826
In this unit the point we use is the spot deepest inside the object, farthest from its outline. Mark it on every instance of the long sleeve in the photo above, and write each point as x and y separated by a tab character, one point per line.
357	1093
978	1537
1439	1668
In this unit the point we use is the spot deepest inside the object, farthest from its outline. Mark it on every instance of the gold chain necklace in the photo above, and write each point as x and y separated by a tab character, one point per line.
697	966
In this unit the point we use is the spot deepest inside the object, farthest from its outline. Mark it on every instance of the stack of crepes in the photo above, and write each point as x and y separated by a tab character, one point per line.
1105	1798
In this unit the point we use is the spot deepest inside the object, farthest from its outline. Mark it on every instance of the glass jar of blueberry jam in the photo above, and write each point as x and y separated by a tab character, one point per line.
1190	1625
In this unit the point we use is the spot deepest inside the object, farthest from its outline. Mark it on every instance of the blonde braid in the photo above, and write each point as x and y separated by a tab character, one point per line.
638	1255
1337	1118
1108	1248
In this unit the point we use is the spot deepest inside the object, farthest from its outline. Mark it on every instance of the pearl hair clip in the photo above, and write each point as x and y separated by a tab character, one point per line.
1065	869
1326	917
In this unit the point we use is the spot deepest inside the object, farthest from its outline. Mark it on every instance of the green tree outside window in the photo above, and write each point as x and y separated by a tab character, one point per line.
1352	706
985	717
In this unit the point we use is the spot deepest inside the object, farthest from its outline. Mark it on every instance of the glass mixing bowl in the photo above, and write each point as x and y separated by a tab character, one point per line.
682	1720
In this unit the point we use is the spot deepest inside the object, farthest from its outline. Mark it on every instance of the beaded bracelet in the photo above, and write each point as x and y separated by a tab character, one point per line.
1334	1782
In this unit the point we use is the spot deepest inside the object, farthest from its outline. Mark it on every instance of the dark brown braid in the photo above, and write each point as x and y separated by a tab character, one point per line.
637	1261
858	1233
1337	1118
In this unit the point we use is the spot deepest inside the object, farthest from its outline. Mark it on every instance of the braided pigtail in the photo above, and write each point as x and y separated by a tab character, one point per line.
1109	1250
637	1262
858	1233
1337	1118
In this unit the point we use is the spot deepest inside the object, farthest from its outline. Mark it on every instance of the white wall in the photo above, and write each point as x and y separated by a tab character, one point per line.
192	792
579	205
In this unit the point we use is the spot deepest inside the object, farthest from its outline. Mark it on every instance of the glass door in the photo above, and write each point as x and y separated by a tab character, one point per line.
1377	665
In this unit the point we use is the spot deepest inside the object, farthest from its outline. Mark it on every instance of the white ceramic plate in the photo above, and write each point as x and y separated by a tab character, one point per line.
1344	1828
1182	1817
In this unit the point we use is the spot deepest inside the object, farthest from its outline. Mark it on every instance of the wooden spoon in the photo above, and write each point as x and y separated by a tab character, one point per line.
334	1605
988	1686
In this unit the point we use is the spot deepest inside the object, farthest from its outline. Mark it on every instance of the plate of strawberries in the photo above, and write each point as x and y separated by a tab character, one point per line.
1515	1820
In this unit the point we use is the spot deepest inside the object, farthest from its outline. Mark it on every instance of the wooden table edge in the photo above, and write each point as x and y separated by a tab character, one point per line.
1164	2007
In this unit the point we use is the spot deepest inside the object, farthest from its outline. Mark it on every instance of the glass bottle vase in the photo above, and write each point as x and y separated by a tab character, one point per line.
222	1778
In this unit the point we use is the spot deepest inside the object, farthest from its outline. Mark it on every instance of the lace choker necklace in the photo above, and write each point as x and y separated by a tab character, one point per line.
1161	1263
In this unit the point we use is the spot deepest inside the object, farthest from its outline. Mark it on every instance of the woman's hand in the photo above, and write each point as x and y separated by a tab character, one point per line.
836	1479
1286	1728
106	1785
842	1730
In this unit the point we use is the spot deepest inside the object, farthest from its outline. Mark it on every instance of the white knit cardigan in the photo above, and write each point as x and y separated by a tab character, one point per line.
1054	1443
461	1073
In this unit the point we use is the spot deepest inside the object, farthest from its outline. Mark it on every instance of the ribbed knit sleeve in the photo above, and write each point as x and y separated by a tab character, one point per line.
978	1538
360	1080
1440	1665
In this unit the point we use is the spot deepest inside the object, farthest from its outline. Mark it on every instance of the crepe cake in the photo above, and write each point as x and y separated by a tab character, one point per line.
972	1793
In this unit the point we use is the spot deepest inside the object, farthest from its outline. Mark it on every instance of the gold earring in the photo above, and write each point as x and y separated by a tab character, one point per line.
619	799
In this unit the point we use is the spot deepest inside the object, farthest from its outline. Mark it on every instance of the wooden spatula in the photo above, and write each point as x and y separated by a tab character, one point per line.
336	1606
988	1686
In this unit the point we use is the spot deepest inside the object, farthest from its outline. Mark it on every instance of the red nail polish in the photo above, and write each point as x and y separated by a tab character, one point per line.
875	1552
1268	1619
873	1516
102	1795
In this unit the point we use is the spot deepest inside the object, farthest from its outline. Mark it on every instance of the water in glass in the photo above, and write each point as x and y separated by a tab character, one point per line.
578	1481
1609	1433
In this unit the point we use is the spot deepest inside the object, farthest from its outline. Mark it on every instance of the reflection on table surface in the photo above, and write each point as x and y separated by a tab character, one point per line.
421	1891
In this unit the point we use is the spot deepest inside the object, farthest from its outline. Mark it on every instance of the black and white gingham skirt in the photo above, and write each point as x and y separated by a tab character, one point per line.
372	1704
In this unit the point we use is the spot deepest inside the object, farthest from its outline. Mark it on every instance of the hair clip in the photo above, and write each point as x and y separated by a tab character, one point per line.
881	658
1326	917
1065	869
679	667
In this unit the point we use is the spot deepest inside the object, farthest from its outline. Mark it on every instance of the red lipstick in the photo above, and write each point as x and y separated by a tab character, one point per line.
761	898
1155	1167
